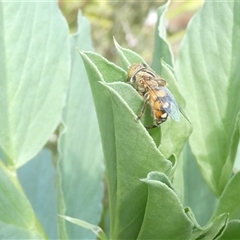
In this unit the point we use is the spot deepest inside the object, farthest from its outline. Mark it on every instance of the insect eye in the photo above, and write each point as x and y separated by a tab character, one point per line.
144	65
132	79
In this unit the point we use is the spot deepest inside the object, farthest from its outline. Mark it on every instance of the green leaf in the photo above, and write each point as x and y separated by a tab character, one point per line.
81	157
232	231
192	217
178	179
8	231
34	71
17	219
42	172
162	49
208	73
127	56
197	193
95	229
229	201
129	151
236	166
172	140
213	229
164	216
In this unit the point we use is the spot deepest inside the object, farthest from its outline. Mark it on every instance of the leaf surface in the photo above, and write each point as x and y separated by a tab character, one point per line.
229	201
162	49
17	218
129	151
41	190
81	157
208	74
95	229
34	72
163	206
232	231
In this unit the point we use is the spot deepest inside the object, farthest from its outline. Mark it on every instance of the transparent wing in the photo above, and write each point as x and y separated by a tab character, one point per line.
168	102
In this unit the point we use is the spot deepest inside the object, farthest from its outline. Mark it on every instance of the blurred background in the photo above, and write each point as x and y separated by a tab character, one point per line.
131	23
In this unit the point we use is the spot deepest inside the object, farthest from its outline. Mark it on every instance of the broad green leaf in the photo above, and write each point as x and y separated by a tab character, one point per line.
34	72
17	218
129	151
127	57
81	158
164	216
173	140
162	49
213	230
178	179
197	193
236	166
95	229
41	190
192	217
208	73
229	201
232	231
8	231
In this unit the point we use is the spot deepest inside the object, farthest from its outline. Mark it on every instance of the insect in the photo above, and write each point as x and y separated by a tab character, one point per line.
154	91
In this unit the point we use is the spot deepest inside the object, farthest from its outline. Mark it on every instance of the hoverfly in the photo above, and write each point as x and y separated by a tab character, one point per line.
154	91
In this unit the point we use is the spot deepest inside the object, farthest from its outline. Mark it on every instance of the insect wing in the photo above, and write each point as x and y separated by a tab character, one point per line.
168	103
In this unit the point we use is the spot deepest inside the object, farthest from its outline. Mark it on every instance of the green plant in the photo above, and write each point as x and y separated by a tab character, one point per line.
151	175
143	202
44	87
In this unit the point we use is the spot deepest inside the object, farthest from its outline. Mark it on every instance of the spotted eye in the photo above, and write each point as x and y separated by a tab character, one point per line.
133	79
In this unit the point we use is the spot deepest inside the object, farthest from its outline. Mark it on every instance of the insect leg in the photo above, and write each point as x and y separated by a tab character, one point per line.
146	96
152	126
